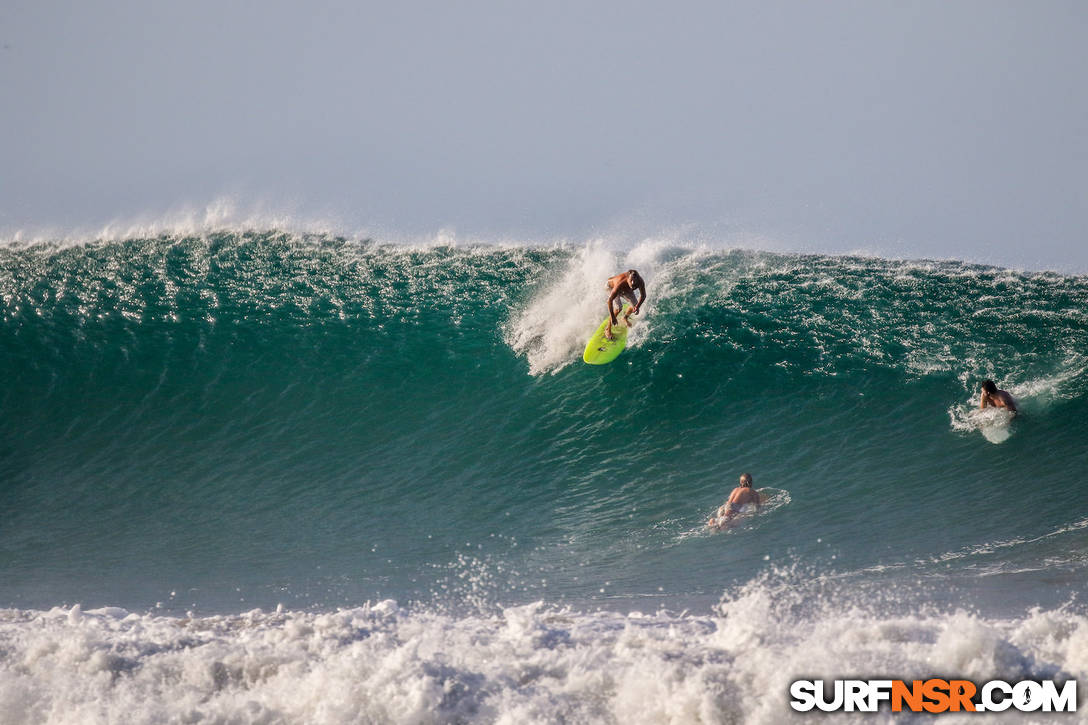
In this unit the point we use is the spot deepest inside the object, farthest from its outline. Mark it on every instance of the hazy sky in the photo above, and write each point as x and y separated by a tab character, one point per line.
939	129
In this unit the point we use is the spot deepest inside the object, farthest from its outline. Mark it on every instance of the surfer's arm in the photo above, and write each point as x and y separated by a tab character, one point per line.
641	288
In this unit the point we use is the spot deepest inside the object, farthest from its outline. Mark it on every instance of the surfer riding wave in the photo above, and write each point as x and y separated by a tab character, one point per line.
623	286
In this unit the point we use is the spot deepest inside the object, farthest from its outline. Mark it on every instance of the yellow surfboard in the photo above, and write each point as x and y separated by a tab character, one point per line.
599	349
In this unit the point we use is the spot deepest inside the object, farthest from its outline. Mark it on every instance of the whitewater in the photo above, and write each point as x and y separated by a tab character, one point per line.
257	475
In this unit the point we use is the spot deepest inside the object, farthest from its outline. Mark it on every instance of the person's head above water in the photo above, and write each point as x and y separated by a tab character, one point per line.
746	480
989	387
633	277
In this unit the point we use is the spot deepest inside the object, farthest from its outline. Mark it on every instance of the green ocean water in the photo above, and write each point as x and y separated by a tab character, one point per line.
246	419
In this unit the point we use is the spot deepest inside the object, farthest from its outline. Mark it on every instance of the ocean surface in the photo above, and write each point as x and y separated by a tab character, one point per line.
272	477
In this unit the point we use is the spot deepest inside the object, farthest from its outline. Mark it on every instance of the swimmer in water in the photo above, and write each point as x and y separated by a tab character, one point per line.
741	496
992	396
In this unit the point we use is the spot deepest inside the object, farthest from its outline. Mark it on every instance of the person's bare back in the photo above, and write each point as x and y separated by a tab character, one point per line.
740	497
994	397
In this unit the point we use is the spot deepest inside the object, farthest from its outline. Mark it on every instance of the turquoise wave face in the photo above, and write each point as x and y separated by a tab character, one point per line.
266	417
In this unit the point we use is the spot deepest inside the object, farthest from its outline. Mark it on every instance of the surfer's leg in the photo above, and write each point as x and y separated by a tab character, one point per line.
608	327
631	300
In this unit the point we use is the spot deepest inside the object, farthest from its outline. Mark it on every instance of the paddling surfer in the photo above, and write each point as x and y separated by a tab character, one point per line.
992	396
741	496
623	285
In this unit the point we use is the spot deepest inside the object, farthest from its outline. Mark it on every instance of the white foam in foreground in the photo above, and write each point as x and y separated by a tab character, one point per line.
531	664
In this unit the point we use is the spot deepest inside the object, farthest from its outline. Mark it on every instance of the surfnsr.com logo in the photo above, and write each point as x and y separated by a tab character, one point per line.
934	696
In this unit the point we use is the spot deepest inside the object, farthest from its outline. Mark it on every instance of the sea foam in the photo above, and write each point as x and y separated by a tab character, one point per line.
534	663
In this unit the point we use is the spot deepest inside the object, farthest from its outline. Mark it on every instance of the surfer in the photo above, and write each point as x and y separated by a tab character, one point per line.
624	285
993	396
740	497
